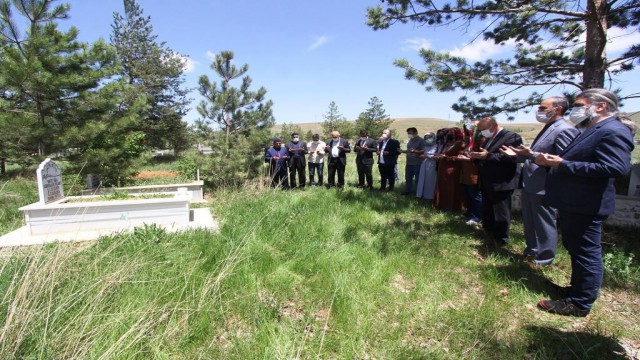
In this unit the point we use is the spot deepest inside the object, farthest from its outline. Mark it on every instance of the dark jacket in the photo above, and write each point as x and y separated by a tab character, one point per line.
296	151
392	148
554	140
364	154
281	154
499	172
583	183
342	155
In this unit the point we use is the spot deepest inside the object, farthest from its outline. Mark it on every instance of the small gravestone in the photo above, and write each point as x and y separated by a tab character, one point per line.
49	178
634	181
93	181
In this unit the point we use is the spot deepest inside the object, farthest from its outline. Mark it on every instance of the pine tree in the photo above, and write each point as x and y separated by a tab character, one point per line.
288	129
335	121
43	74
374	119
155	72
549	53
238	119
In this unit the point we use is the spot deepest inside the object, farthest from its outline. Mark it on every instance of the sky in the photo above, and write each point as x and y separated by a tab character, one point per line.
308	53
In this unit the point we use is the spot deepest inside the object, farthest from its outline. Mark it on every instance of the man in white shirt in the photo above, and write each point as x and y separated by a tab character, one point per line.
316	159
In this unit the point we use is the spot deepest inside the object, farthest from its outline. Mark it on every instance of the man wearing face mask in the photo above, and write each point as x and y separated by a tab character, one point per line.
388	150
337	148
365	147
277	157
316	159
297	163
415	147
539	219
580	184
498	176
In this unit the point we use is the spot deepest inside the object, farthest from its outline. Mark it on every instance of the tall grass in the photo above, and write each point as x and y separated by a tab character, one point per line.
301	274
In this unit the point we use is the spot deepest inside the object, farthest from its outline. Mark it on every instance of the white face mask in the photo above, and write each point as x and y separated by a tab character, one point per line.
385	136
544	116
580	114
410	136
295	140
486	133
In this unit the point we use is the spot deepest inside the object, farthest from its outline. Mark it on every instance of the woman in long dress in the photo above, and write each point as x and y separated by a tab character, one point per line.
449	190
426	185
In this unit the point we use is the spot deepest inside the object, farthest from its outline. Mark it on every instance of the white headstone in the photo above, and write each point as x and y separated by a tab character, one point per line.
49	178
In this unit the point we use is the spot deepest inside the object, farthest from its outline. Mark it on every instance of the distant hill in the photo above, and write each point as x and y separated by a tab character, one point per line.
527	130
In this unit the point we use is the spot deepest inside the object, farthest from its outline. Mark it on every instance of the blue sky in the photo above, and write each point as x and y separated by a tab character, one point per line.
307	53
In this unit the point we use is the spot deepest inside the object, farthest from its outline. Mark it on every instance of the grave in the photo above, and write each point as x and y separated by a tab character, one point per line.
55	218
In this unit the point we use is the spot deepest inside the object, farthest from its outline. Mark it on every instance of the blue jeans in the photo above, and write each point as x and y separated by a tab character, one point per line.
473	201
410	172
313	167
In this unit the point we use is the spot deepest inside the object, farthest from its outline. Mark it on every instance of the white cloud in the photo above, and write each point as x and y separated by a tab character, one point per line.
211	55
319	41
482	50
621	40
188	64
416	44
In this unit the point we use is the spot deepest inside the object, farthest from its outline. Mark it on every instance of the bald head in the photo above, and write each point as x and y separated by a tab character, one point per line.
335	134
488	126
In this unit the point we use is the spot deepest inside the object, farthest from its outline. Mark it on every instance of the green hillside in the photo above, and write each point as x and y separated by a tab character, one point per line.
527	130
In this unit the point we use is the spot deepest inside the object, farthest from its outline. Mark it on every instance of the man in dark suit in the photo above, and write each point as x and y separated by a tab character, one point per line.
538	218
297	163
388	151
580	185
498	176
365	147
337	148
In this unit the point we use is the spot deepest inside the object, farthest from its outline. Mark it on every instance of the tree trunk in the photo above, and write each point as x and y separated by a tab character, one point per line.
3	166
594	49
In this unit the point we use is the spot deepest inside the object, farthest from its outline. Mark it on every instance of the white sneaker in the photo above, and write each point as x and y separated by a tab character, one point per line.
472	223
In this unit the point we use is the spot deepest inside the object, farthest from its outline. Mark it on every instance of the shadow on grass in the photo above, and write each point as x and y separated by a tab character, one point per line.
550	343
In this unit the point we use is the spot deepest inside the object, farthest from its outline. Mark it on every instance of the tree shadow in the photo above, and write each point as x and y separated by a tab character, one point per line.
550	343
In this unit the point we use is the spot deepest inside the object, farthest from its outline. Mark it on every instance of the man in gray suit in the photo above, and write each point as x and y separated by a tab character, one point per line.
539	219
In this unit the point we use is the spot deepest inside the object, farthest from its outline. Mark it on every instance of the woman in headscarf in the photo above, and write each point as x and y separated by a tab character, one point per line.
449	190
426	186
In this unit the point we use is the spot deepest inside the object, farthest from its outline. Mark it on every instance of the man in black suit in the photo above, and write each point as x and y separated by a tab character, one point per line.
337	148
498	177
297	163
365	147
388	151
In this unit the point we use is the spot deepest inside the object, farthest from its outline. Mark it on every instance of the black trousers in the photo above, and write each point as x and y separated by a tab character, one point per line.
364	173
335	165
387	175
279	176
297	166
496	214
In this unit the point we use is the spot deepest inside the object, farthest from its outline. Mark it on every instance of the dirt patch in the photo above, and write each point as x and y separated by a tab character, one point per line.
154	174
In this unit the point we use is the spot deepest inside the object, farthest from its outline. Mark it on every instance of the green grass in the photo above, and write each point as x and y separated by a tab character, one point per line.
304	274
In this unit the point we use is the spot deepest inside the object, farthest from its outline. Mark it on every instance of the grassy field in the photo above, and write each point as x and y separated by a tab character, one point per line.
305	274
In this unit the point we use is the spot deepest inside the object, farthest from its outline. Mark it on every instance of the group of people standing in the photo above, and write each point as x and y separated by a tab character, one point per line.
567	178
